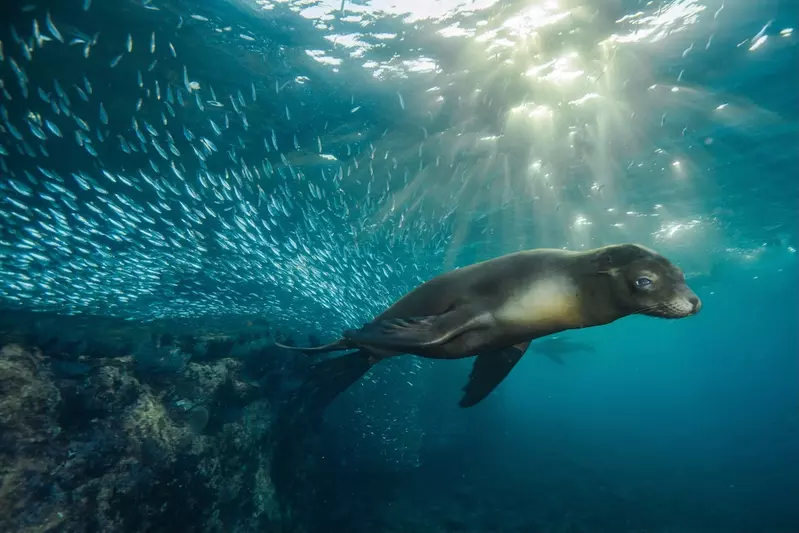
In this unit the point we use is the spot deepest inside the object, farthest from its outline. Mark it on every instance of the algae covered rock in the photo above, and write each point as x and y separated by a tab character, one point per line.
111	443
28	425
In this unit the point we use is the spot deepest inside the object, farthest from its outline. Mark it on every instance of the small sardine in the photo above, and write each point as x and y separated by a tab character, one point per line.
52	29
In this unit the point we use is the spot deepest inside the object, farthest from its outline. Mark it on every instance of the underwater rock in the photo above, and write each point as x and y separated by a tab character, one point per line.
160	360
28	401
28	425
103	447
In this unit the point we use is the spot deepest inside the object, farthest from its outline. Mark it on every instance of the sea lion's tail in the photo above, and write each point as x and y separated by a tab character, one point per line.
329	378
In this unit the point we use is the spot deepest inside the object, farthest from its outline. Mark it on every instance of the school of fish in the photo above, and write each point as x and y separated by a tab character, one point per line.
143	179
127	193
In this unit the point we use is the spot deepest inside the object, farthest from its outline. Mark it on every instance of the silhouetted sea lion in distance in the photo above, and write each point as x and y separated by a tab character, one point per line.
555	347
493	309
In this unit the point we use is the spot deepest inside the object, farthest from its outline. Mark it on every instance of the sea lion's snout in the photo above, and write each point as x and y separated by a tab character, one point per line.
680	302
694	300
688	302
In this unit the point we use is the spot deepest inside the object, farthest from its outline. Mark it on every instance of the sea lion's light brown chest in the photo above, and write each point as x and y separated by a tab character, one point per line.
547	303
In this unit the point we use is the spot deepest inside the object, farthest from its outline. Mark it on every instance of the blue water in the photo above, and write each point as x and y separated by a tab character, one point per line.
310	162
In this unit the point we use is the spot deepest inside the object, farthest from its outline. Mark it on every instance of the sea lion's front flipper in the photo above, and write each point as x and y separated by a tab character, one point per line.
488	371
411	333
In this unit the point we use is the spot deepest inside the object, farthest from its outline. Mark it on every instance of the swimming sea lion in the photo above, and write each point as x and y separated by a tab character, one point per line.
493	310
555	347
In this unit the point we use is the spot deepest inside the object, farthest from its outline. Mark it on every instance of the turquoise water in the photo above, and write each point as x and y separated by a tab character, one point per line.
310	162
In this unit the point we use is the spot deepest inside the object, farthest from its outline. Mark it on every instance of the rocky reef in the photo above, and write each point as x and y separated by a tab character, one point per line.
108	425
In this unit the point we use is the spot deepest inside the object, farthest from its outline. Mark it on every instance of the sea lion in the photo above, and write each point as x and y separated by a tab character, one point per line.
493	309
555	347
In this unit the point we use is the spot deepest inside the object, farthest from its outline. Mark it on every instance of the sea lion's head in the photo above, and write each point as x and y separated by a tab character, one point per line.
646	283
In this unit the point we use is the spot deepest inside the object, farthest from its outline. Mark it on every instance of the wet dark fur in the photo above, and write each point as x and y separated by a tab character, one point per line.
603	277
458	310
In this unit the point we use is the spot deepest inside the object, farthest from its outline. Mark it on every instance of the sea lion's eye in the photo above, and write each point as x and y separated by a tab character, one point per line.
643	282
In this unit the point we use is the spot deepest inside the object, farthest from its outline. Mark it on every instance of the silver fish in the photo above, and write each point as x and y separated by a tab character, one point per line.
52	28
37	36
37	131
82	94
53	128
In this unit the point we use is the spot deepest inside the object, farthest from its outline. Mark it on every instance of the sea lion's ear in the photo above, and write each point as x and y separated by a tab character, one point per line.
603	263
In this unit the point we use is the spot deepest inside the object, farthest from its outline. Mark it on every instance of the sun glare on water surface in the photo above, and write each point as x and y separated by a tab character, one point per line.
545	112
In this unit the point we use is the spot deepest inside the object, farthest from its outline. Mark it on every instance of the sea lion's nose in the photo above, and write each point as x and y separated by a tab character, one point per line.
695	302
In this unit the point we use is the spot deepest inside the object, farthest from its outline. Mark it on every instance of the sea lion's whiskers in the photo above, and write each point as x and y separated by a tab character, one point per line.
658	307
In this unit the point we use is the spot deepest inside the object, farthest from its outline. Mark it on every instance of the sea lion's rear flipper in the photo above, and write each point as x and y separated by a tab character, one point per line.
325	380
329	378
411	333
488	371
